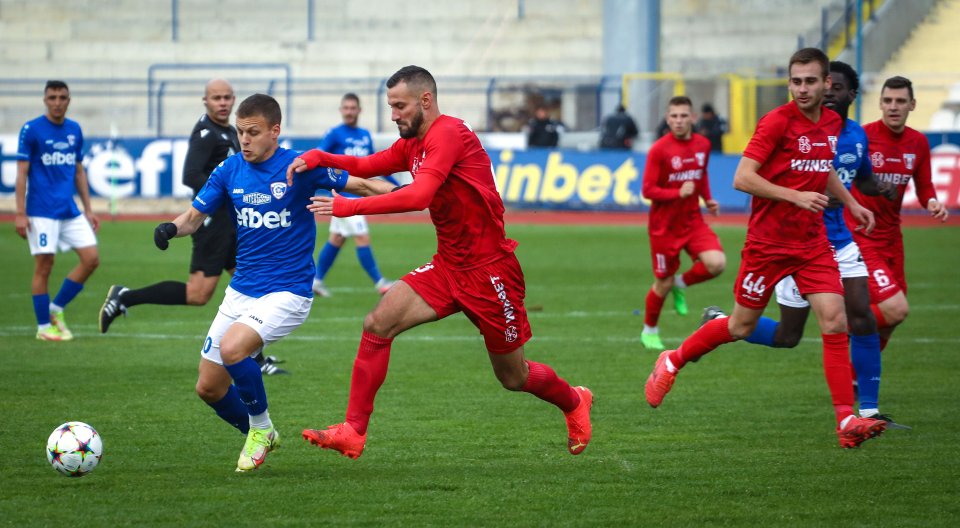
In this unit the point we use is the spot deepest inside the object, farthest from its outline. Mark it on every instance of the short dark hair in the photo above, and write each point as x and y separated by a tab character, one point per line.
351	97
853	80
261	105
678	100
55	85
898	82
414	75
808	55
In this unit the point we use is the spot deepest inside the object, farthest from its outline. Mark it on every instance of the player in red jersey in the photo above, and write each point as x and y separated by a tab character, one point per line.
474	270
787	167
674	180
898	154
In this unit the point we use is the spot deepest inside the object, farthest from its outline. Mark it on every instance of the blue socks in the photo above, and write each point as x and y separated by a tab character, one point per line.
41	307
68	290
865	356
764	332
249	382
232	410
365	256
325	260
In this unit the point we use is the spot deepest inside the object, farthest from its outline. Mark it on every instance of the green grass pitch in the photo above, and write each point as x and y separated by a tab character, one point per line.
745	438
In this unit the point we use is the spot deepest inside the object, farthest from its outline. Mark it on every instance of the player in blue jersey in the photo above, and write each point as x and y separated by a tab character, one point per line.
269	295
852	163
352	140
49	173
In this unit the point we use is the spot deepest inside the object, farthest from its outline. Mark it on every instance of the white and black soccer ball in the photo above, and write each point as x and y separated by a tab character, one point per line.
74	449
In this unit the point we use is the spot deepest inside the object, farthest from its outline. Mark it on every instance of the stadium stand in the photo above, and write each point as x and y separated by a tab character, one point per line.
930	60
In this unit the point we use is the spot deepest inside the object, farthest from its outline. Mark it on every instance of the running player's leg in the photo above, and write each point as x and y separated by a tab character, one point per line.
665	256
887	289
328	254
704	248
787	332
361	239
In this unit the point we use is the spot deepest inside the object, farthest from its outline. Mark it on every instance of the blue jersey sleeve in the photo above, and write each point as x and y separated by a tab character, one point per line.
865	171
26	144
214	192
79	143
329	143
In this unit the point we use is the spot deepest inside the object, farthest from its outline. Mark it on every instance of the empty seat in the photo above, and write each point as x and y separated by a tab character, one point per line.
943	119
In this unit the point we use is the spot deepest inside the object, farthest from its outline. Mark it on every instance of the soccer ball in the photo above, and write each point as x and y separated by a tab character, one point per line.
74	449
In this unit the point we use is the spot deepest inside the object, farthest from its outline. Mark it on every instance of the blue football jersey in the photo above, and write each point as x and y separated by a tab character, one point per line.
275	231
852	163
53	152
345	139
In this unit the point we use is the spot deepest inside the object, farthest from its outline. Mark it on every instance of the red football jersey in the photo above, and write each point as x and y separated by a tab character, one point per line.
797	153
670	163
466	208
896	158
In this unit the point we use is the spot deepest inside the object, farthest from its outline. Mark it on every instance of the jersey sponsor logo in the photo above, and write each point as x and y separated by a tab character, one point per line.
687	175
508	309
417	161
61	145
876	159
908	160
58	158
701	157
892	177
676	163
811	165
253	219
848	158
833	143
846	175
278	189
256	198
803	144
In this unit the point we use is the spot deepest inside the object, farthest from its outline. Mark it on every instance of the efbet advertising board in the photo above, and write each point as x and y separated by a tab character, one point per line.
536	178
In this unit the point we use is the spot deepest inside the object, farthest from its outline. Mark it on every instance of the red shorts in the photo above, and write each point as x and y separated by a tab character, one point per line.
763	265
665	250
491	296
885	266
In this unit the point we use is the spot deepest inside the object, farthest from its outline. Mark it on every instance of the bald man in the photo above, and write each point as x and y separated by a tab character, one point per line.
214	245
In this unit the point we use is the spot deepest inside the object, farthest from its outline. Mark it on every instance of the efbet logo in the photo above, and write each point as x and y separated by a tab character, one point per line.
253	219
59	158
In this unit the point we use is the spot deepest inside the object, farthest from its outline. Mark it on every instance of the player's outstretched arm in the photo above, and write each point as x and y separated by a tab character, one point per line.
748	180
365	187
384	162
185	224
413	197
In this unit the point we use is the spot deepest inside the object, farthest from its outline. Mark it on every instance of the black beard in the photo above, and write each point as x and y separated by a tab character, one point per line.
414	127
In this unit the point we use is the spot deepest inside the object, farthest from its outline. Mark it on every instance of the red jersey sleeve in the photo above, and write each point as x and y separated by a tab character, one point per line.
922	180
382	163
766	138
705	182
651	178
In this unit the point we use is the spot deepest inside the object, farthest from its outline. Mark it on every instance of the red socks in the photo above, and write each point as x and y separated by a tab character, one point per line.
836	368
707	338
654	304
544	383
696	274
369	371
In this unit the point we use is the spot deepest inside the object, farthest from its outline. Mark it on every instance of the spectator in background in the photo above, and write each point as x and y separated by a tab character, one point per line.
712	126
618	131
543	131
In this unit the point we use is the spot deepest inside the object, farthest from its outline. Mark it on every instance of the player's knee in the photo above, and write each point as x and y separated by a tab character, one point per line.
208	393
375	323
716	267
510	380
790	340
91	263
834	324
198	297
861	324
741	329
896	314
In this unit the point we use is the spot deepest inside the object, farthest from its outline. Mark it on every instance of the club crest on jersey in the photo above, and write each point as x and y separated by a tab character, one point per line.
71	139
676	163
701	157
278	189
417	161
256	198
908	160
833	143
876	159
803	143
